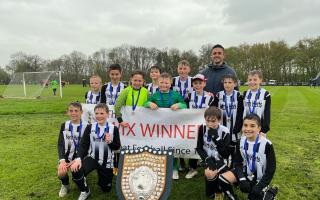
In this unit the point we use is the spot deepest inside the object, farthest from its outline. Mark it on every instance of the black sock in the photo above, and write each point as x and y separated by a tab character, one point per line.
80	180
64	180
227	188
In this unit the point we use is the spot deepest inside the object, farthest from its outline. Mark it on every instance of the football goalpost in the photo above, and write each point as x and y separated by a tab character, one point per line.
30	85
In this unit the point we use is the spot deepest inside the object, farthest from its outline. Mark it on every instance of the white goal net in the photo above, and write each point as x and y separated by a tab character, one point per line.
33	85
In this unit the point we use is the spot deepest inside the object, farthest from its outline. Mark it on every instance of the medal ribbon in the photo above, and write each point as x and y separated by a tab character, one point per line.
196	100
254	102
134	105
76	145
106	130
253	164
111	91
228	109
184	89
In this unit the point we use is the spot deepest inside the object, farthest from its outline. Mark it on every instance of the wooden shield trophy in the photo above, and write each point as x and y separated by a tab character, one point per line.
144	174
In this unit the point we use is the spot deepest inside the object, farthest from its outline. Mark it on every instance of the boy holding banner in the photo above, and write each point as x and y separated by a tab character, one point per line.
182	84
166	98
134	95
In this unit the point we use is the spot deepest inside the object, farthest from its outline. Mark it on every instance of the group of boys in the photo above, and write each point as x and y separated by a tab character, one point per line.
229	157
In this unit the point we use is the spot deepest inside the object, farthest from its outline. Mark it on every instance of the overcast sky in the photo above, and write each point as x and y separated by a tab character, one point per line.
51	28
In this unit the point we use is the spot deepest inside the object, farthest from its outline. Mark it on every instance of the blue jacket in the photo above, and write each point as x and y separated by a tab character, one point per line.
214	76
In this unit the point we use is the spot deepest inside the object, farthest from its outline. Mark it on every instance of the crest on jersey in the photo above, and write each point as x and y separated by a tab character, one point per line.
144	174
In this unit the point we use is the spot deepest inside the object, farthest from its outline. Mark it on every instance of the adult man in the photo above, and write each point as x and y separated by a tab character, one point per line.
216	70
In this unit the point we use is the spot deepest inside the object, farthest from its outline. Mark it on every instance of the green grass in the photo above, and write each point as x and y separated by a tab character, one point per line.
29	131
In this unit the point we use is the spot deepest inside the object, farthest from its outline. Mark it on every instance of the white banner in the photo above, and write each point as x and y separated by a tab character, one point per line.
160	129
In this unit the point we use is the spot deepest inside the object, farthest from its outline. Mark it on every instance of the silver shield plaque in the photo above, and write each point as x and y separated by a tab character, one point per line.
144	174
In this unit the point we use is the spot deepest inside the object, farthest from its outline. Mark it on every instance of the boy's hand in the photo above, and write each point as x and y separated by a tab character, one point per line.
124	124
107	138
175	107
210	94
76	165
153	106
63	167
261	134
213	133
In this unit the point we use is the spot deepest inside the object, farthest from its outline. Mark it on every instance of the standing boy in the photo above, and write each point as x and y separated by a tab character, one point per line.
54	86
111	90
166	98
182	83
230	102
96	151
93	96
155	72
133	95
257	100
197	99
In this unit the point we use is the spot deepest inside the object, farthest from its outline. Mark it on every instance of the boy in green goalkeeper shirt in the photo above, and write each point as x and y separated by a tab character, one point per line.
166	98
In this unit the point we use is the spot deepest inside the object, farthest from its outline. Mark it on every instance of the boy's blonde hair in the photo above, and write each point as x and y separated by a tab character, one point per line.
256	72
166	75
97	77
184	63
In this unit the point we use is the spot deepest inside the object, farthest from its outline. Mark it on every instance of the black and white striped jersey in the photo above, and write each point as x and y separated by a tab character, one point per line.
183	87
69	139
196	101
258	102
208	147
152	88
109	93
92	98
231	107
93	143
263	166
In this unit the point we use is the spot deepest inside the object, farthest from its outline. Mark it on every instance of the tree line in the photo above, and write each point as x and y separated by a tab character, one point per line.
276	59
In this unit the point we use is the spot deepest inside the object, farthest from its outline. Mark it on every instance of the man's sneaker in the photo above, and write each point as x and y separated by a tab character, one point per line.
64	190
84	195
175	175
191	173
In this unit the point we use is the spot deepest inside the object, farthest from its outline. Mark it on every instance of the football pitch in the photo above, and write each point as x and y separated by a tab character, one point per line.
30	127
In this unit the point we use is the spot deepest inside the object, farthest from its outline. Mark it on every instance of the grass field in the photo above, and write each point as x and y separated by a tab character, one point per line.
29	131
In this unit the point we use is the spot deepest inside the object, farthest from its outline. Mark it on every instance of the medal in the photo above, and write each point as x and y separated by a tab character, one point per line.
134	104
106	130
251	177
228	120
